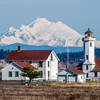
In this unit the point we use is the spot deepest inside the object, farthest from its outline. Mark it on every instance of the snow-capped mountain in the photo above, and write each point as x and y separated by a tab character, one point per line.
43	32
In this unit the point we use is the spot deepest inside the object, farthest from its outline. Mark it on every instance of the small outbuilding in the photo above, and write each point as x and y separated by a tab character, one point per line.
72	75
62	76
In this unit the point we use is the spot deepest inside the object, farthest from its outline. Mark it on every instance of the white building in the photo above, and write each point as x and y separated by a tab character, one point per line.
72	75
89	62
13	71
45	61
91	65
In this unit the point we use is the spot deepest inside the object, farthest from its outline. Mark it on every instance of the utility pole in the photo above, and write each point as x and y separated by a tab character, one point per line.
67	57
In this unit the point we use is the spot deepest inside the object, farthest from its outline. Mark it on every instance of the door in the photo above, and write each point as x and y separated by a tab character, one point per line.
71	79
62	78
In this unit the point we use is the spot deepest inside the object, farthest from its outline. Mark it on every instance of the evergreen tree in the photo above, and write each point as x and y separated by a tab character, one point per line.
28	72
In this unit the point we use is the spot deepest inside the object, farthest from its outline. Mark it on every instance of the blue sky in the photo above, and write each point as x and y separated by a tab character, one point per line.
77	14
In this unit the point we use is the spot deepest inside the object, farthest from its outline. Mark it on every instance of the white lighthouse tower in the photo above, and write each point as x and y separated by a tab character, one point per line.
88	42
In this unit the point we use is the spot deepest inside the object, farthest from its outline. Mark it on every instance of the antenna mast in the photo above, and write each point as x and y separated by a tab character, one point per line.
67	57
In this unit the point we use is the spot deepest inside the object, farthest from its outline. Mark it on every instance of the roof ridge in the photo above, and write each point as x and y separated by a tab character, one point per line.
31	66
75	70
29	55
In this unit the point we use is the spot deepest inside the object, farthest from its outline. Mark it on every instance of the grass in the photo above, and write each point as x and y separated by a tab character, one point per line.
53	84
12	82
63	85
90	84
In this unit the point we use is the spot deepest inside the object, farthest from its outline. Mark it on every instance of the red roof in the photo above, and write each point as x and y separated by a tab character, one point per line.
96	69
76	71
97	62
24	64
29	55
88	31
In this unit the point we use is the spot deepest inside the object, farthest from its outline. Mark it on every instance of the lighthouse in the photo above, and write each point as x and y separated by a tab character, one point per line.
88	43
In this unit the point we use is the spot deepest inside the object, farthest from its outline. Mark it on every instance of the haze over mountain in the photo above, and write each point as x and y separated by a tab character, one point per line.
43	32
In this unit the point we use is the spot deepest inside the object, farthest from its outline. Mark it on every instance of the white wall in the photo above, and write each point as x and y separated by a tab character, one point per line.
91	76
35	64
89	50
81	78
53	68
90	67
10	67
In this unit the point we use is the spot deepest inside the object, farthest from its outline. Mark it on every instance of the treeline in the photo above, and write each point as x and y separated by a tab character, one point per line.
75	56
71	57
4	53
97	52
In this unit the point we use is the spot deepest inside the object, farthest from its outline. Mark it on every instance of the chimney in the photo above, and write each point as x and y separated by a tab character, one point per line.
19	48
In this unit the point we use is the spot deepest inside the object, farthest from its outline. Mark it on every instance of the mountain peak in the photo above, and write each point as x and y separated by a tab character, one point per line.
42	32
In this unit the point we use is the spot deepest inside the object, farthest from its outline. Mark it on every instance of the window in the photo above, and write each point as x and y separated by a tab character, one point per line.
10	73
48	64
87	75
81	77
16	74
51	57
89	35
86	57
86	67
41	76
40	64
90	44
95	74
10	61
48	74
30	62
